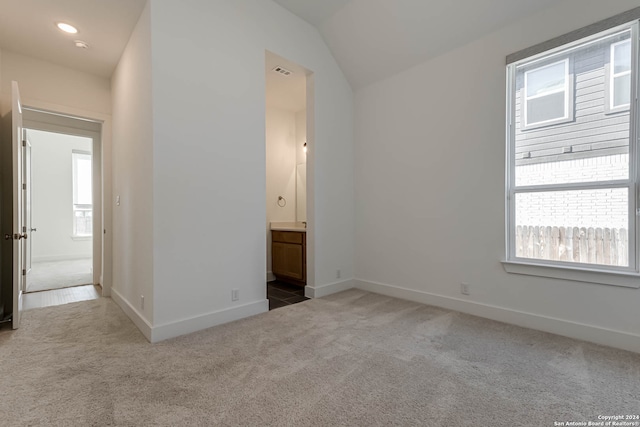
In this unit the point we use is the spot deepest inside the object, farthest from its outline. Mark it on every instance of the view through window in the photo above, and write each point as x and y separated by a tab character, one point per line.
82	197
571	184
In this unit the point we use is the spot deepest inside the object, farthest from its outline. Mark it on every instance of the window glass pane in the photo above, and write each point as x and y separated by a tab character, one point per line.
622	57
589	169
591	145
586	226
622	90
84	181
546	108
546	79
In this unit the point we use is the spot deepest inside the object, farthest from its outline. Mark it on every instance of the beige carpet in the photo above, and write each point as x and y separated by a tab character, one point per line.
354	358
59	274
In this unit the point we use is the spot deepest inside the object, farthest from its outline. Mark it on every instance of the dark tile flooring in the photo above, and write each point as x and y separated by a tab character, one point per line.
282	294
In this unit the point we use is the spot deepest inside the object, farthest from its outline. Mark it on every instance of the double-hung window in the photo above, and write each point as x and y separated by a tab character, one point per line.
572	167
620	71
546	94
82	194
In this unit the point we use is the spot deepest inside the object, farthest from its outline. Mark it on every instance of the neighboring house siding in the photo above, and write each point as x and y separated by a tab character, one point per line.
591	131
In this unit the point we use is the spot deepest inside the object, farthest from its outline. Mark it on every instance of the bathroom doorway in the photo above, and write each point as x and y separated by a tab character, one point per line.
287	148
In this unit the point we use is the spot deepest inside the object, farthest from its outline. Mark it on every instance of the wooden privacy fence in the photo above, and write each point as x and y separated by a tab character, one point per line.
605	246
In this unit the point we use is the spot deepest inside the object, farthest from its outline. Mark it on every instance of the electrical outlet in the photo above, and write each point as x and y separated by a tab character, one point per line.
235	294
338	273
141	302
464	289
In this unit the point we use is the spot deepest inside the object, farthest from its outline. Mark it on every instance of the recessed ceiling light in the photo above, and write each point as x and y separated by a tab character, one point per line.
67	28
80	44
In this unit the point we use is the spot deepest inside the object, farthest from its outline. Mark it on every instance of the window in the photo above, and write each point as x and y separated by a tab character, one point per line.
620	72
572	185
546	94
82	195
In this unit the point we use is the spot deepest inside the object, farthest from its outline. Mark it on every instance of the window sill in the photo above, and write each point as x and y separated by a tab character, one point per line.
81	238
613	278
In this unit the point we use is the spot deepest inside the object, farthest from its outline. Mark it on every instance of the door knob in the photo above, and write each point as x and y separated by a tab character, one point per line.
16	236
34	229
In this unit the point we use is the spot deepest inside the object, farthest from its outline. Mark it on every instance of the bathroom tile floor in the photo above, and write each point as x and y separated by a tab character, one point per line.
282	294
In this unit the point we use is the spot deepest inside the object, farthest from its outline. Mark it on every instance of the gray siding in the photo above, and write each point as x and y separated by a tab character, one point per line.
591	130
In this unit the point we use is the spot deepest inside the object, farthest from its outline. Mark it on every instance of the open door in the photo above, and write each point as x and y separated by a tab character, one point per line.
19	189
26	147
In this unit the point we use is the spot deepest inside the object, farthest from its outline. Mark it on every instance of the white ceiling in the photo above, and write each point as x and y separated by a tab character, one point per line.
375	39
28	27
370	39
313	11
285	92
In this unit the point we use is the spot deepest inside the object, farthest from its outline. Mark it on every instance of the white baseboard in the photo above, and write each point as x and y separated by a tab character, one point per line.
133	314
53	258
193	324
328	289
270	276
580	331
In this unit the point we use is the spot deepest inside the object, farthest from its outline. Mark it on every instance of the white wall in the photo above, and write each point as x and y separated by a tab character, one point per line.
209	157
430	174
133	240
281	169
301	166
301	136
44	83
51	87
52	197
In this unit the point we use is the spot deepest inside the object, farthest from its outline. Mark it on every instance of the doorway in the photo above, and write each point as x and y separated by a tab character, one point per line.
287	142
64	215
59	209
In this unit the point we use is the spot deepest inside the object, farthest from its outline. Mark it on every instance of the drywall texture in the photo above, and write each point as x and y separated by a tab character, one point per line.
43	83
281	169
430	180
52	196
133	173
209	157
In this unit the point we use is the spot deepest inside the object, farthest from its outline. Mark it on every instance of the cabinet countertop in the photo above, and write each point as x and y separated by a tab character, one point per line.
288	226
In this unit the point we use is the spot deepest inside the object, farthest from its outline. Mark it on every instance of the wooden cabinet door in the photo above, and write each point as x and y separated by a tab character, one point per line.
288	260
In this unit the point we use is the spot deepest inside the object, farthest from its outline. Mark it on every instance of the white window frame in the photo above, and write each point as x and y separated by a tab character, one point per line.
610	275
613	76
75	154
526	98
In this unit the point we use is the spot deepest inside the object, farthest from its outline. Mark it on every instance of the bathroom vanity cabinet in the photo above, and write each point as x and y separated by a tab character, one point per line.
289	256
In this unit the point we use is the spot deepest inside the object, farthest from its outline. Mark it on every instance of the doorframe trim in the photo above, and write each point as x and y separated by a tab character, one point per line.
60	119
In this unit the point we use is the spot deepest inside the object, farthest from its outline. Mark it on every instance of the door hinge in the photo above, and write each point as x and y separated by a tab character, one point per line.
24	186
24	142
24	272
24	229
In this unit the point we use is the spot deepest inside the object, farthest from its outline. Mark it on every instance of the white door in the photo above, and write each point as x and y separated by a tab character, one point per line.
19	190
27	206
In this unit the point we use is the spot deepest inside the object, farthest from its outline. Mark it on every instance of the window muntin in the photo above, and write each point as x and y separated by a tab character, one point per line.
546	93
620	89
82	194
570	185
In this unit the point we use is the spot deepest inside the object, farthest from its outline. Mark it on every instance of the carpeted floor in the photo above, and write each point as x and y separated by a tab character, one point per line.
353	358
59	274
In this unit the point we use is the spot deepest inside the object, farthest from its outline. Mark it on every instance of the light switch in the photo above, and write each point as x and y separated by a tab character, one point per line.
117	200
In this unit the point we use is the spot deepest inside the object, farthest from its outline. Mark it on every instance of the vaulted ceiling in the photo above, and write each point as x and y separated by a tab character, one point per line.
375	39
370	39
